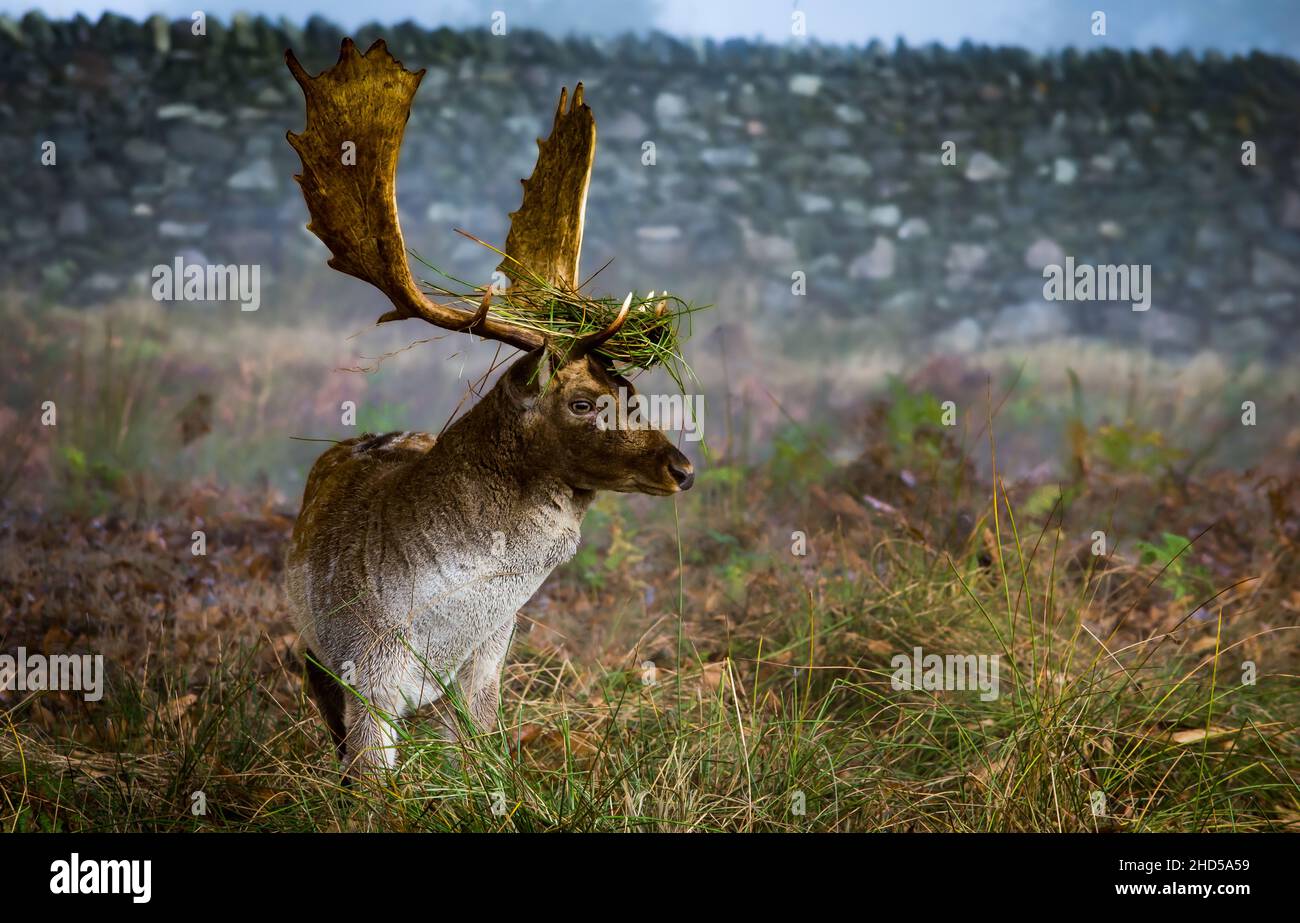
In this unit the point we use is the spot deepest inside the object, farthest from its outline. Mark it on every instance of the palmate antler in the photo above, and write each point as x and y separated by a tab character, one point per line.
365	99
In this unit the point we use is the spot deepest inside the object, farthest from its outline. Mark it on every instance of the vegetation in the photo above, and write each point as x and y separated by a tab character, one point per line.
648	337
690	670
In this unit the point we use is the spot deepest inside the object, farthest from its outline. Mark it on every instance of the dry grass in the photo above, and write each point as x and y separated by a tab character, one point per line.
687	671
769	706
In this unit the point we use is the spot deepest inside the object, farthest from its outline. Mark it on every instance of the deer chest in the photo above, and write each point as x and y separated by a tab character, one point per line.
469	589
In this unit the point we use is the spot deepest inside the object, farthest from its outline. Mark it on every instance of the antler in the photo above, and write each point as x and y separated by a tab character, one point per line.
365	100
545	237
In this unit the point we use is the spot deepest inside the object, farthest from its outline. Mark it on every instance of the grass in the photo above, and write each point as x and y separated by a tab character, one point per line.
649	337
126	381
771	742
783	718
688	671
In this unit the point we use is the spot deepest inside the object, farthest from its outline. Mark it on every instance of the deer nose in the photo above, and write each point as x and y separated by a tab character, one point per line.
682	470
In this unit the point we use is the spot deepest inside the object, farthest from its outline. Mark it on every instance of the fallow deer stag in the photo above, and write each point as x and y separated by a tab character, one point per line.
413	554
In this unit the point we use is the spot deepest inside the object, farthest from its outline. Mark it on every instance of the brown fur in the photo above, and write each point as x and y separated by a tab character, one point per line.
394	553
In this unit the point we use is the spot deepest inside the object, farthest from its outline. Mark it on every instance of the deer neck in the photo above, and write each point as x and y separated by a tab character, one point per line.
485	468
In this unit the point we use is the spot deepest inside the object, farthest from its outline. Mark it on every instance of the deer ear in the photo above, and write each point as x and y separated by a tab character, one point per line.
526	378
603	370
596	368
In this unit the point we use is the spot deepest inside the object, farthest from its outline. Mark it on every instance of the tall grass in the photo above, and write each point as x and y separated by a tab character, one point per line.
691	673
795	726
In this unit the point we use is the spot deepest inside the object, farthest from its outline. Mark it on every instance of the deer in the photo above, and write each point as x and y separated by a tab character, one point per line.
412	554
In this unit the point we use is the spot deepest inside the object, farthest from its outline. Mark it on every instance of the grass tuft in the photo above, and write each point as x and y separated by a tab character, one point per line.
650	337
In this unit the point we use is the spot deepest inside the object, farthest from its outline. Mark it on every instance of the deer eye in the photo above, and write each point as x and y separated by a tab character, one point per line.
581	407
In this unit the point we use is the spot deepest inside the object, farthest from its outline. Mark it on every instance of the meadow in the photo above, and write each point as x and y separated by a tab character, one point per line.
724	661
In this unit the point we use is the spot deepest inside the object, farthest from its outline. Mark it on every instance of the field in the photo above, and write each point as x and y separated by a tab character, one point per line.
722	661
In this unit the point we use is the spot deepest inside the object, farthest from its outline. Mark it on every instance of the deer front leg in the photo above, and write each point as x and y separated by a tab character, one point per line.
370	743
480	678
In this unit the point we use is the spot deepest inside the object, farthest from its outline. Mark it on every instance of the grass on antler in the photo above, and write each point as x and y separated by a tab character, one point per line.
646	339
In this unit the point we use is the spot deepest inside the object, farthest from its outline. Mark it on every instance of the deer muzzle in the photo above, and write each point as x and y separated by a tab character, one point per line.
680	469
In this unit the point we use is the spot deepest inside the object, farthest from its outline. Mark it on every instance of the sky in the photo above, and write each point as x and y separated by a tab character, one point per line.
1230	26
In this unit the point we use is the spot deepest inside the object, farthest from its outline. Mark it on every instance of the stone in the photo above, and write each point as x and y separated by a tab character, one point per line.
209	119
1111	230
767	249
145	153
99	177
811	203
73	220
908	301
1121	154
1028	322
729	158
914	228
257	176
243	32
444	213
104	283
848	166
1211	237
126	66
1140	122
269	96
10	29
191	143
182	230
1044	252
876	263
805	84
1254	217
1290	217
171	111
983	168
263	145
661	245
626	126
37	28
962	337
1167	329
966	258
659	233
1039	145
163	137
669	107
1268	270
884	216
160	33
1250	336
31	228
849	115
828	264
58	274
827	137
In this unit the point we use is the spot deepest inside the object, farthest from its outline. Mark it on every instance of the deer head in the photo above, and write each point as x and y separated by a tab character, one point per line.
561	422
550	394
